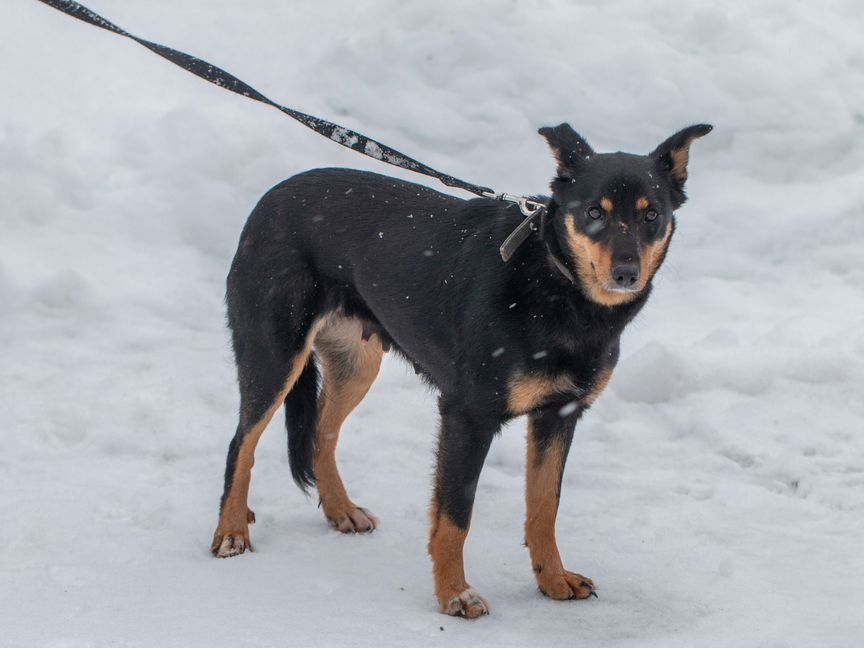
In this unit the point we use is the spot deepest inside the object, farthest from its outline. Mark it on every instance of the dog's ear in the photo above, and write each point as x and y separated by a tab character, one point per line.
673	155
569	148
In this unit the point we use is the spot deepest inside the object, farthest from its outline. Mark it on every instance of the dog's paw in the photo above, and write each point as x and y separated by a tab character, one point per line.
227	543
568	585
468	603
352	519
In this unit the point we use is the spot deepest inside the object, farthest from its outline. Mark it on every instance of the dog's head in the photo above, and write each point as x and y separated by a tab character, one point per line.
615	211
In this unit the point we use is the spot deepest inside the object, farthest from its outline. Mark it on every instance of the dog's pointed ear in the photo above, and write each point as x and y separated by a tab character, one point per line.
673	155
569	148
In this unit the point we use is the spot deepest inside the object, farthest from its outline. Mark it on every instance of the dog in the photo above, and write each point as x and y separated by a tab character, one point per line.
337	266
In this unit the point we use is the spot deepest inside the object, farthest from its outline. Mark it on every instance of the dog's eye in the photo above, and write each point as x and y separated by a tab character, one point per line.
651	215
594	213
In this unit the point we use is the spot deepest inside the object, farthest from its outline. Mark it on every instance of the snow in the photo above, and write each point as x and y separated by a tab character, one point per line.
373	150
715	492
343	136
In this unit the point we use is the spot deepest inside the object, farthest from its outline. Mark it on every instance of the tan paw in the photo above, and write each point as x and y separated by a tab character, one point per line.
568	585
232	543
468	603
352	519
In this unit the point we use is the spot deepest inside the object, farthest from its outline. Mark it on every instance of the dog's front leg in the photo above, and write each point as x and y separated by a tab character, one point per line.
462	447
549	437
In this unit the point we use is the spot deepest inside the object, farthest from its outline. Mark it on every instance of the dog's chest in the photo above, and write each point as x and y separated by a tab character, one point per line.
564	379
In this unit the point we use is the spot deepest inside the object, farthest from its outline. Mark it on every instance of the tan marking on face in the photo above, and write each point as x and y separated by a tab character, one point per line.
350	367
593	261
234	516
527	392
642	203
653	254
606	204
446	541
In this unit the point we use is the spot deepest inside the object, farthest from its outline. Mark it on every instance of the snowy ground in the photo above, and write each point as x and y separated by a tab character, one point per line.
715	493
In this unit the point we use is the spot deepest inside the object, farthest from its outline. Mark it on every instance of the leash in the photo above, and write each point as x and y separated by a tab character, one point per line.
345	136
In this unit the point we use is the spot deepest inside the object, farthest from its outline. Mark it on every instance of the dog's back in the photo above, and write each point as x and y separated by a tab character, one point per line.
383	250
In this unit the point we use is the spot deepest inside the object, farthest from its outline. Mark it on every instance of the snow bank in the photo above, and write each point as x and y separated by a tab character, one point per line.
715	492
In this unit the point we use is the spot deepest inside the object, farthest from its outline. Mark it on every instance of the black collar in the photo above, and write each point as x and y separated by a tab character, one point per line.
550	242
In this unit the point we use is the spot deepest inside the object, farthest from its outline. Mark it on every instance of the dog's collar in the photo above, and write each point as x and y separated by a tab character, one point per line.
560	265
536	214
531	209
551	244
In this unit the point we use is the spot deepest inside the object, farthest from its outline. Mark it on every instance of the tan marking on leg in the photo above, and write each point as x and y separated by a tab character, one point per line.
527	392
642	203
350	367
232	532
542	489
455	596
606	204
593	267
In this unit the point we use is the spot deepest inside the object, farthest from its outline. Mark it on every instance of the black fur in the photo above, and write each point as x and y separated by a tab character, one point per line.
421	270
301	417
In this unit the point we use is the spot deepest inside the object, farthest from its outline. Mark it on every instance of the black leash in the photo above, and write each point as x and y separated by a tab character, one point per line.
339	134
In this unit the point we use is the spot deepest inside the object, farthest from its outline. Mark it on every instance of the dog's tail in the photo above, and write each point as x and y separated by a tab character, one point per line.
301	419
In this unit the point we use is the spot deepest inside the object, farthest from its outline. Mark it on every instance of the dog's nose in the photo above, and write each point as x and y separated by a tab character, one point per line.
626	275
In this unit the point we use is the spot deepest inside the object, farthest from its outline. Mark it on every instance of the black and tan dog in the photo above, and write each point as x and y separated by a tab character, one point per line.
337	266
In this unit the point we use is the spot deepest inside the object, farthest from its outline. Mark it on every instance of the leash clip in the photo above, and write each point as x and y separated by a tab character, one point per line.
530	210
527	206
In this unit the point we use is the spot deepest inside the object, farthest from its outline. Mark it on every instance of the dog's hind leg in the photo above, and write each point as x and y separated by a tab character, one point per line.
265	379
351	364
